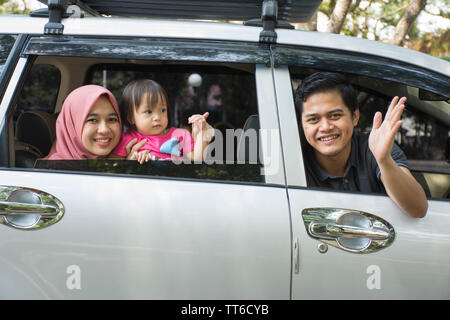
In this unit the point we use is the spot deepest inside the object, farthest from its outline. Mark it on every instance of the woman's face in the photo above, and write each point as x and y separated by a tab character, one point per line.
102	130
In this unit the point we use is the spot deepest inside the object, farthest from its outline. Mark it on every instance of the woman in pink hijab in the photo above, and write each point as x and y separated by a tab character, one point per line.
88	126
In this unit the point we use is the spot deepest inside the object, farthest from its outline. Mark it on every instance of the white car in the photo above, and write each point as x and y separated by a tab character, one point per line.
233	227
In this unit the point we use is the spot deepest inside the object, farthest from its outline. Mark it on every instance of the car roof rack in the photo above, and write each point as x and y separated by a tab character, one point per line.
269	14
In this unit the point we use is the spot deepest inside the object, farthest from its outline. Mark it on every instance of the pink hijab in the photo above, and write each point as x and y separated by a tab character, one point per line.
70	122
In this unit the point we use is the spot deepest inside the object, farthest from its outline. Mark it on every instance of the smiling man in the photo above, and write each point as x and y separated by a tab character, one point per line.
339	158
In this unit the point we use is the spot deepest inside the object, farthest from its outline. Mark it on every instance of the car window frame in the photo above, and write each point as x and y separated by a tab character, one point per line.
10	80
259	57
364	64
295	170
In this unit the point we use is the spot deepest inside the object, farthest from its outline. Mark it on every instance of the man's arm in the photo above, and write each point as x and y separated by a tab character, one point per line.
404	190
399	183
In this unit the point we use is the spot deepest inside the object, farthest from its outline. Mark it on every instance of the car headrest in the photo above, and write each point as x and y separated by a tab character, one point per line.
249	141
36	128
26	155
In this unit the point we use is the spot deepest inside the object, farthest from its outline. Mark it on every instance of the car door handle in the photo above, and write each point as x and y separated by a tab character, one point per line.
19	208
28	209
349	230
334	230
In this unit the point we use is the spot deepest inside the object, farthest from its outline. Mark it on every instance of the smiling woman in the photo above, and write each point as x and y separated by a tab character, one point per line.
88	126
101	131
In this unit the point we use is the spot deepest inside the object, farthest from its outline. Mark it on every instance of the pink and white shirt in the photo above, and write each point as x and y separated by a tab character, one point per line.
172	145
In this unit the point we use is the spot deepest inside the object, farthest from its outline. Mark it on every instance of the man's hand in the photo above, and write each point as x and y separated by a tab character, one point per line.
382	136
400	184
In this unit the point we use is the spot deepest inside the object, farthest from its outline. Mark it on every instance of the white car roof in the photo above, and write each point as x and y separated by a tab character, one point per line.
141	27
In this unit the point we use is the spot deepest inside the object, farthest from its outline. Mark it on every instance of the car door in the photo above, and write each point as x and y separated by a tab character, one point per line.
350	245
98	235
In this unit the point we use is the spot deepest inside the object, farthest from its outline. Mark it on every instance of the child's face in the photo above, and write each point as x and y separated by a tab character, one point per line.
151	120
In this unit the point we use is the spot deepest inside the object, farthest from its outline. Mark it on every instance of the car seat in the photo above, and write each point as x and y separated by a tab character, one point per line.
419	176
34	135
245	151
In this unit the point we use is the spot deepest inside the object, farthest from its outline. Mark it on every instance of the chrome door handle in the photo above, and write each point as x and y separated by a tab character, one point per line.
28	209
334	230
18	208
349	230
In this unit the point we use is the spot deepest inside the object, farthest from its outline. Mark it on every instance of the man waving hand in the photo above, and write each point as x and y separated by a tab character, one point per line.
337	157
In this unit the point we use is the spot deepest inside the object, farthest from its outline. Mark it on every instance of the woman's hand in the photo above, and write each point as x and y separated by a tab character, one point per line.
132	148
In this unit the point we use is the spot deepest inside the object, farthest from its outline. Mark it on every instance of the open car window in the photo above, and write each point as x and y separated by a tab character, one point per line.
226	91
424	135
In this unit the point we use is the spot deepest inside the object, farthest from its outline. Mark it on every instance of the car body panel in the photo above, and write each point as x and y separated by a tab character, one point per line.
127	236
161	239
414	266
418	245
358	46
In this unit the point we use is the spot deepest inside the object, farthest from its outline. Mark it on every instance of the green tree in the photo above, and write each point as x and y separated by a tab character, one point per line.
405	23
393	21
14	7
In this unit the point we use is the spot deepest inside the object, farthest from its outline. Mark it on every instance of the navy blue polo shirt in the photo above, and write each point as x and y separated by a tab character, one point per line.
362	172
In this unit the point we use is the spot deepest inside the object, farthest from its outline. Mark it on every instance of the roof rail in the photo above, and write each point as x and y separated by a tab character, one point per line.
273	13
242	10
269	21
56	9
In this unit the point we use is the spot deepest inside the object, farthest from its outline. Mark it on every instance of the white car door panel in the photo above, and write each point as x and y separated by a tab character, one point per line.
125	237
139	238
415	265
412	267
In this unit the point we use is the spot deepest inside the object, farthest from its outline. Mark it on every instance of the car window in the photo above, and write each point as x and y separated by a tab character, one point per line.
40	90
424	135
6	44
228	93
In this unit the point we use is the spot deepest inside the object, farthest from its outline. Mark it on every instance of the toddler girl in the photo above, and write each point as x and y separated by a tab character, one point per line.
145	111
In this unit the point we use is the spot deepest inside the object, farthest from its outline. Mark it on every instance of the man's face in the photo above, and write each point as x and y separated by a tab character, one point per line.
328	124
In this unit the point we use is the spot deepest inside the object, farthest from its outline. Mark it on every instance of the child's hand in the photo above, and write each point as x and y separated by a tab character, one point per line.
141	157
199	125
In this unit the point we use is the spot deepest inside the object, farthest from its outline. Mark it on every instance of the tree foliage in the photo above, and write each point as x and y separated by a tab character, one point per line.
393	21
14	7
